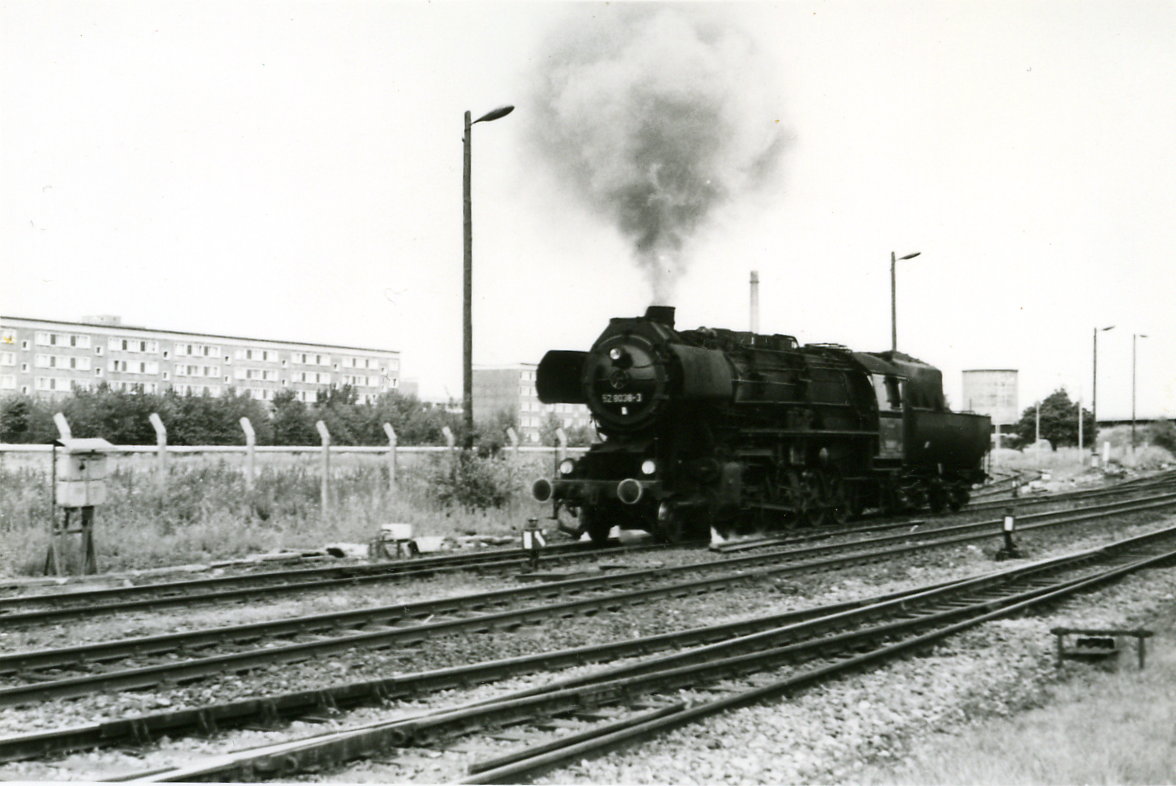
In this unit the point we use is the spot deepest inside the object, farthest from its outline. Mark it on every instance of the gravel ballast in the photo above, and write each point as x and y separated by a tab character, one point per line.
825	735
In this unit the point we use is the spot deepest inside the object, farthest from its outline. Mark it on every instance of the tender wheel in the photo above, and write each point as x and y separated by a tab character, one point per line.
937	498
597	527
958	496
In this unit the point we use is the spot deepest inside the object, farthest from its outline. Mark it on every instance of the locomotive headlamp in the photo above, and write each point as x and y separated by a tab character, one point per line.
566	466
620	358
648	467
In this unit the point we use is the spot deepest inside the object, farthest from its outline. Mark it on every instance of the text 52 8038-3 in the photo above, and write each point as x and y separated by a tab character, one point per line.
620	398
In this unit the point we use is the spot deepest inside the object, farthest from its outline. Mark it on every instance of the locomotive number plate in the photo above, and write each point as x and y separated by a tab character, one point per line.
620	398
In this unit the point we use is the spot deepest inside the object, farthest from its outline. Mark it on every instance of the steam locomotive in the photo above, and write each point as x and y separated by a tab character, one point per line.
745	432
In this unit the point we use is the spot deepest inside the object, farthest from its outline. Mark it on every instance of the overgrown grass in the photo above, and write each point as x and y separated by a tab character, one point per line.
1067	463
202	510
1099	728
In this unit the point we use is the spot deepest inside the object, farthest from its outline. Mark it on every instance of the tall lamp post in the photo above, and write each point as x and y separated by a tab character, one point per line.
1134	336
1094	392
894	301
467	349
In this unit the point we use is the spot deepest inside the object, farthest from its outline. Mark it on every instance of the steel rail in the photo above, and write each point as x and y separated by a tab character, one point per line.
142	729
521	765
165	594
1102	509
265	710
334	748
197	668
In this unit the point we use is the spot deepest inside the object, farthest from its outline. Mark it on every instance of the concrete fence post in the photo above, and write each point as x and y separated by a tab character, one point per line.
513	436
326	492
561	445
63	430
450	442
161	445
250	451
391	432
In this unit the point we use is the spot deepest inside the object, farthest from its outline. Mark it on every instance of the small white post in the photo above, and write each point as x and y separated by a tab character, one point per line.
391	432
250	451
450	441
326	493
1080	427
1106	454
63	430
513	436
561	444
160	443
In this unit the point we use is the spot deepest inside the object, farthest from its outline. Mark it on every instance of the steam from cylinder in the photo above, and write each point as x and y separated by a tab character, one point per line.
654	117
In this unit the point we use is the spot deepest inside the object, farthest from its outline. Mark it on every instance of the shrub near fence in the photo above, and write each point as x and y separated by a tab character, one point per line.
197	504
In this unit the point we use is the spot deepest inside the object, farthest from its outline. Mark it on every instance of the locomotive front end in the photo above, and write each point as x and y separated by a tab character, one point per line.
638	379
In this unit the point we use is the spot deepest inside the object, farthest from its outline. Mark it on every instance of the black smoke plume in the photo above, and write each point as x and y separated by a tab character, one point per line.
654	116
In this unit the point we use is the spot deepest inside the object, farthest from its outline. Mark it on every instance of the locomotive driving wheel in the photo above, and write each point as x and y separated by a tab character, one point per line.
595	524
672	525
838	498
807	497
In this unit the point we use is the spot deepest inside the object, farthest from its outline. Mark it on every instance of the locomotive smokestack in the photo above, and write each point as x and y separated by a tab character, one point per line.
662	314
754	307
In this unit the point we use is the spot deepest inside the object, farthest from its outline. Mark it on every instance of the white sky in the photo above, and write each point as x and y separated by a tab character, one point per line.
292	170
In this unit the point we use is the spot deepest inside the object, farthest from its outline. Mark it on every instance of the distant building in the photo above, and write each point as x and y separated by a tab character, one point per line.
512	389
49	358
992	392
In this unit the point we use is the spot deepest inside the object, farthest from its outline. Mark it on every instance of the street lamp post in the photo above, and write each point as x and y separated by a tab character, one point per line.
1094	392
894	301
467	349
1134	336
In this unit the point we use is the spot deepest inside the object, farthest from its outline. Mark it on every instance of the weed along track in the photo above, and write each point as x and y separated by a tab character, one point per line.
626	703
147	662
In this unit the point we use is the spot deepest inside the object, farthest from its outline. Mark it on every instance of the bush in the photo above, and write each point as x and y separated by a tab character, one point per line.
472	482
1162	433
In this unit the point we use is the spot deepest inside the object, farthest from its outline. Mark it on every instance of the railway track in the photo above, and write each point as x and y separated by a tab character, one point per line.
640	699
146	662
46	607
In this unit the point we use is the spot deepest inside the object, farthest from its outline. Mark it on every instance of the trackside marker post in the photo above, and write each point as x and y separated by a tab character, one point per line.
1008	527
533	541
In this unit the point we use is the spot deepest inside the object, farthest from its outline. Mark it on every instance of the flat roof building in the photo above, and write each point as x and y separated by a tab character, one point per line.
992	392
50	358
512	389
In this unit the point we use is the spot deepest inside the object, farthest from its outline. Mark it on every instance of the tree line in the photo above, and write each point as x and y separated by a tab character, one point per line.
1057	418
121	417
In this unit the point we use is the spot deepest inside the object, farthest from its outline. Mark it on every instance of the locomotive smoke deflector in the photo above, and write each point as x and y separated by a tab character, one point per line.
557	380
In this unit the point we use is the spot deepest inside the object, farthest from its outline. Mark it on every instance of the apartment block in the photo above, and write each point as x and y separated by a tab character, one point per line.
50	358
512	389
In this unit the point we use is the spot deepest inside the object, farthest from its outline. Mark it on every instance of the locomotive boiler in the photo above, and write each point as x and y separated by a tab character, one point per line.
746	432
